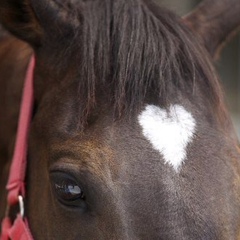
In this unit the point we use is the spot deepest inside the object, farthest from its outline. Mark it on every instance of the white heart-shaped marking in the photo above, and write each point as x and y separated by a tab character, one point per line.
169	132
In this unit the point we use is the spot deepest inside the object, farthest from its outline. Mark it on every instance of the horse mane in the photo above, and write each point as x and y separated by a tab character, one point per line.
136	51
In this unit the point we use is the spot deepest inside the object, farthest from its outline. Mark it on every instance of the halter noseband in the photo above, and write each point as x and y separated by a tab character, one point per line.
19	230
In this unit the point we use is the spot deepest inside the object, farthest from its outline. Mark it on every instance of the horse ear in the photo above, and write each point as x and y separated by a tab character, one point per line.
31	20
215	22
19	18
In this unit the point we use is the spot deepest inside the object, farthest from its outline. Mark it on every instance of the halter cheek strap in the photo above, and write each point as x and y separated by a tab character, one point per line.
19	230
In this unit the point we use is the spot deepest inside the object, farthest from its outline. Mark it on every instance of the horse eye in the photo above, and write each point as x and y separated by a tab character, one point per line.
66	189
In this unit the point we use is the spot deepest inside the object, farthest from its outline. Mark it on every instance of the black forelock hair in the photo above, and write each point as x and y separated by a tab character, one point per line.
133	48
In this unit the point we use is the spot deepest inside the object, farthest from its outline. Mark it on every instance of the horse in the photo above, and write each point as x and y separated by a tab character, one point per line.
129	135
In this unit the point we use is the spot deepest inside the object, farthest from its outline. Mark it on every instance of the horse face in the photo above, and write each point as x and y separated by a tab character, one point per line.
163	169
108	181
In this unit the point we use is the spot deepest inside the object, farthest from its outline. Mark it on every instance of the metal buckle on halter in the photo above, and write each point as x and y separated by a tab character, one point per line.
21	207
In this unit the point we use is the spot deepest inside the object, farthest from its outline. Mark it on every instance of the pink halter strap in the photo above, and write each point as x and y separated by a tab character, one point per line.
16	183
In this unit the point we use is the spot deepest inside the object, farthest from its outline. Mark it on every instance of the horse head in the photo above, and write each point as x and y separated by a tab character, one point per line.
129	137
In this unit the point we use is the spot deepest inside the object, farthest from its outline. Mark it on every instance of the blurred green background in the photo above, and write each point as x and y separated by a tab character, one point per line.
228	65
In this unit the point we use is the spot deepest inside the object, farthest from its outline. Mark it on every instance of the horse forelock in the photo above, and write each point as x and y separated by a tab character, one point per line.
136	52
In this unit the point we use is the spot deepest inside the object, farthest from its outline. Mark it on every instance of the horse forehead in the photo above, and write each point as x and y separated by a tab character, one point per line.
169	131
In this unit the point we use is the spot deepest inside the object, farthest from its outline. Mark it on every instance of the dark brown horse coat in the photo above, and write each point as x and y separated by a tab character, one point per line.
104	70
